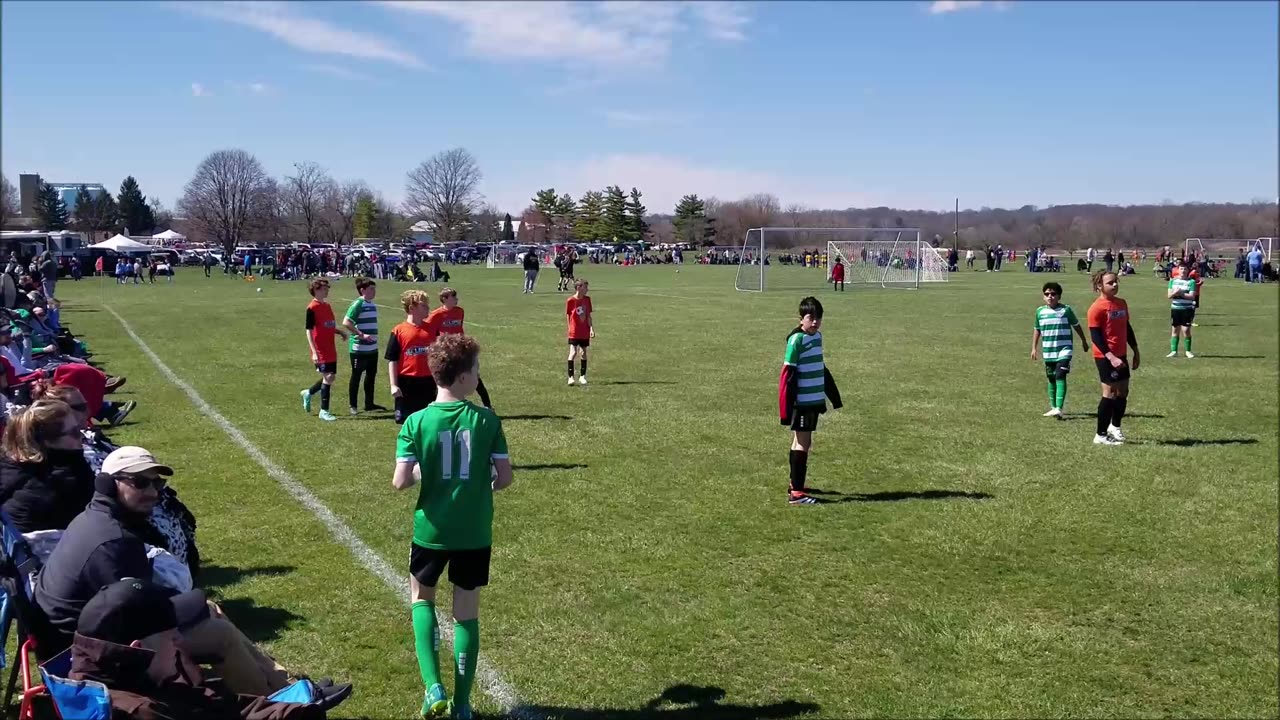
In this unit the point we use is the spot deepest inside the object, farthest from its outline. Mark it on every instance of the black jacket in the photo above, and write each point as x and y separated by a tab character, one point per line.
102	545
46	495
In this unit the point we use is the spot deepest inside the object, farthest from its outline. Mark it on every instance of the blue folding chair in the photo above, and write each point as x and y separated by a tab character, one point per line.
18	565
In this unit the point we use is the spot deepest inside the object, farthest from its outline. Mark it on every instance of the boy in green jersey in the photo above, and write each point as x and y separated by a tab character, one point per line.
1184	292
459	452
362	320
804	386
1051	336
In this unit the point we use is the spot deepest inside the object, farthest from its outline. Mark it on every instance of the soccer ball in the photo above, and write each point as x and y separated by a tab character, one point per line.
677	271
259	289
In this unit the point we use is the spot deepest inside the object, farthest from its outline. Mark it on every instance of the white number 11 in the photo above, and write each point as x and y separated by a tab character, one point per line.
446	455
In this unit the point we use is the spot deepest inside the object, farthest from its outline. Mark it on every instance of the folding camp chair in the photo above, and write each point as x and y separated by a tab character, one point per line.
18	567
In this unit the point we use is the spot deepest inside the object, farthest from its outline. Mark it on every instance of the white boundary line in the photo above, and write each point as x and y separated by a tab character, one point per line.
400	310
490	681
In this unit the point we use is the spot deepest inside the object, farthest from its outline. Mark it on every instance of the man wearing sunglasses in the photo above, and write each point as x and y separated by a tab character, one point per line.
104	545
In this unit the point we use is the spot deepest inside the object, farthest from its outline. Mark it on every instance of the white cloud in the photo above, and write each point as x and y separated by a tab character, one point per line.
258	88
592	34
339	72
198	90
283	22
939	7
644	118
664	180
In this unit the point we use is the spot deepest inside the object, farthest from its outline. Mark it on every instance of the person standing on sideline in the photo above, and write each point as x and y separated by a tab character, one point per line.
1255	265
581	330
968	258
1112	336
1054	323
804	386
1109	259
447	320
321	329
1089	256
406	356
361	321
1183	290
999	257
530	270
455	448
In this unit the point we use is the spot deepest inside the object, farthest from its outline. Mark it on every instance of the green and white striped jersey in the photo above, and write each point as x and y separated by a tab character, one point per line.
1187	285
804	352
1055	325
365	316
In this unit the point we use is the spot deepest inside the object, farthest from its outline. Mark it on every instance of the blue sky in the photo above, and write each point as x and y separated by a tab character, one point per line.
907	104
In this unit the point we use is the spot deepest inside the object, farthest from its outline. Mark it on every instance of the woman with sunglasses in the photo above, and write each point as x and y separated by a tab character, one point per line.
45	480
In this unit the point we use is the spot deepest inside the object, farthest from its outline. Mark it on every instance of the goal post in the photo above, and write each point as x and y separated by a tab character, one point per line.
1228	245
512	256
777	258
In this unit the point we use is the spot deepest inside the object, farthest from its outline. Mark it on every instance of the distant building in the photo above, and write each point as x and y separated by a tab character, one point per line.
29	187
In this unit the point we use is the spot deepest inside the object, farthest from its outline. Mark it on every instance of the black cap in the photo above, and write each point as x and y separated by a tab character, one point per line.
133	609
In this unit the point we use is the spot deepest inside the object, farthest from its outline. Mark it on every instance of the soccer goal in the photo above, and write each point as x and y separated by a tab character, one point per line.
801	258
1224	245
512	256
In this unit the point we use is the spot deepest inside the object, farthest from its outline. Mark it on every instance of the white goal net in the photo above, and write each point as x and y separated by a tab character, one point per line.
1226	247
512	256
782	258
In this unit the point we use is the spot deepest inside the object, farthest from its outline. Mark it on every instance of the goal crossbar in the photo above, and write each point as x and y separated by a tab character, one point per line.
888	257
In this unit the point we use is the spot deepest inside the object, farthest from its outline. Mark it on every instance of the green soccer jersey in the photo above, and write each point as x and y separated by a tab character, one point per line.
1187	285
1055	325
454	445
365	316
804	352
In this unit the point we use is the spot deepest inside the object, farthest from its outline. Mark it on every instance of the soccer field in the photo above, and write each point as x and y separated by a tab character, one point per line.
976	559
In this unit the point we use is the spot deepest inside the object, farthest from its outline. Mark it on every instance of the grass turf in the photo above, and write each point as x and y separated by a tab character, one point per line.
976	558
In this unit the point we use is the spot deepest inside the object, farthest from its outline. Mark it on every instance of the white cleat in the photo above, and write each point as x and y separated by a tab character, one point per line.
1190	356
570	382
582	380
1172	354
1114	433
1104	440
1053	412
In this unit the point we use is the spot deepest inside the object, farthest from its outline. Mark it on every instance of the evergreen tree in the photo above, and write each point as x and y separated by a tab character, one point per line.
508	233
690	219
637	228
614	226
547	203
567	215
85	207
50	209
365	222
134	211
590	226
106	213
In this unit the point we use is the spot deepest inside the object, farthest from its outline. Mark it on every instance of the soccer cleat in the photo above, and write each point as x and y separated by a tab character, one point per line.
460	712
436	703
571	381
1114	433
306	401
1104	440
123	412
1172	354
353	411
582	380
1190	356
1053	412
115	383
327	416
799	498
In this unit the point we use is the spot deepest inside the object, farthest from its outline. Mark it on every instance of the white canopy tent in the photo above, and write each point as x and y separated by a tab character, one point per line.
120	244
169	236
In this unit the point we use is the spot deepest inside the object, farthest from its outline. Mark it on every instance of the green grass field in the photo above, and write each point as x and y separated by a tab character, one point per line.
978	560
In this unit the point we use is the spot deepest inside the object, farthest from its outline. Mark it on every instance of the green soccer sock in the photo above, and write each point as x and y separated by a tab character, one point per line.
426	641
1173	343
1053	392
1188	343
1061	400
466	653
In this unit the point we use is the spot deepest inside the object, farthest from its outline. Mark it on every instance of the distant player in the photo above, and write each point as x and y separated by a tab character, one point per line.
837	275
411	383
803	389
455	448
361	321
567	261
1184	291
321	329
447	320
1112	335
1052	338
581	330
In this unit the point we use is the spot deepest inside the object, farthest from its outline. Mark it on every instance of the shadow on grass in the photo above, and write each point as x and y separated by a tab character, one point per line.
535	417
216	576
683	702
830	496
1217	325
259	623
1231	357
635	382
549	466
1093	416
1190	442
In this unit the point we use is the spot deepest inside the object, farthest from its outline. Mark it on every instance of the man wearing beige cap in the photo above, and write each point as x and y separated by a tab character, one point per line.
103	545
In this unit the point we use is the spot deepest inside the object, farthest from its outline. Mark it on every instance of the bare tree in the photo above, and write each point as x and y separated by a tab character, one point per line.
305	192
485	227
760	209
338	218
8	200
229	196
442	191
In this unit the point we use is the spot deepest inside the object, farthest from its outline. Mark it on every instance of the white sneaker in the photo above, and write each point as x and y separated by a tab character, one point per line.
582	380
1172	354
1053	412
1189	355
1104	440
571	382
1114	433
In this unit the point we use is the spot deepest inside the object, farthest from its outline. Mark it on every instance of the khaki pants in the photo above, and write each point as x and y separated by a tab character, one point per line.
244	668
